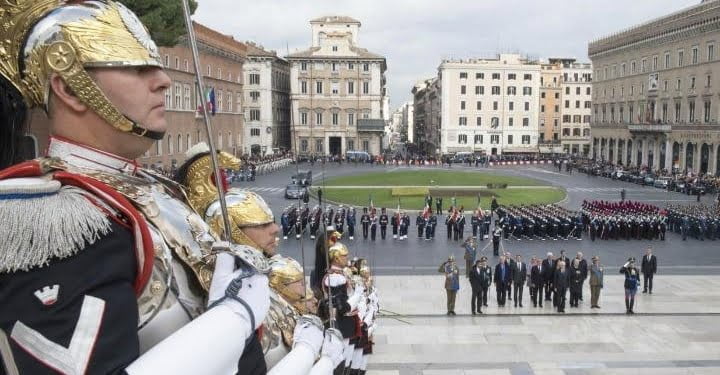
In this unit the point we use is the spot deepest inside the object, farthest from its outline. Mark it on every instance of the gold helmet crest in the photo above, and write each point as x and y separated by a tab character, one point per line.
39	38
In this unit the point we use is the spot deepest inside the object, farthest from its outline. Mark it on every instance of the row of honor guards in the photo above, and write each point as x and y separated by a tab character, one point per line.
107	267
624	220
701	222
300	219
539	222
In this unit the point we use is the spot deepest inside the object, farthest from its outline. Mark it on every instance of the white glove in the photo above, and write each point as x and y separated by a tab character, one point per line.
308	334
333	346
248	297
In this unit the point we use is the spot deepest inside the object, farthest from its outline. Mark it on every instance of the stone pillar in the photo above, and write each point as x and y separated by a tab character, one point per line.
668	154
713	159
645	156
681	153
656	154
696	157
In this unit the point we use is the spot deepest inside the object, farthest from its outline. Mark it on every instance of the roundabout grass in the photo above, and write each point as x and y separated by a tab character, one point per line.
408	188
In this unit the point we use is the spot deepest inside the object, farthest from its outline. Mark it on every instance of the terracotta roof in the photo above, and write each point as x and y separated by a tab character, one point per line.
334	19
362	53
219	40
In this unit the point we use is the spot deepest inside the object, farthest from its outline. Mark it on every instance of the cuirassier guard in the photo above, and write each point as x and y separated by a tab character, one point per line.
104	267
292	317
338	298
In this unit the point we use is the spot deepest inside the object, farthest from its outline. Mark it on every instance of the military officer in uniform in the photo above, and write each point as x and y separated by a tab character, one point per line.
165	284
351	223
383	223
365	222
496	238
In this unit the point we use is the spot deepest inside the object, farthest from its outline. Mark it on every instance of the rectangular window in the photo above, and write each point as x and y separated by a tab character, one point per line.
496	90
567	104
462	105
527	91
511	106
691	112
496	76
254	79
527	77
178	96
512	76
542	108
577	104
710	52
526	139
351	119
495	139
351	66
463	90
479	90
706	111
643	65
335	118
494	122
667	61
511	90
186	97
254	115
351	87
655	63
478	121
677	112
254	96
478	139
303	118
335	87
304	145
462	121
318	118
681	58
495	106
510	139
303	87
366	87
303	67
479	75
333	66
254	132
319	145
318	87
695	55
366	67
463	75
526	121
462	138
478	106
511	121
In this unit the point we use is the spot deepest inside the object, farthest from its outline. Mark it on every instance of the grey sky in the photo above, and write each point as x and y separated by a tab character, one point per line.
415	35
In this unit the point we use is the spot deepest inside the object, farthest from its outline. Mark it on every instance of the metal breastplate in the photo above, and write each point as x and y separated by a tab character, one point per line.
278	328
182	270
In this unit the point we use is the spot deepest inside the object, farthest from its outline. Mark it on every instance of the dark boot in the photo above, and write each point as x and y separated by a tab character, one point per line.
627	306
632	303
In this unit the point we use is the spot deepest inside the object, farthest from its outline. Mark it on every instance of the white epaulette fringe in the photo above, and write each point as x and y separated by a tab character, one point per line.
41	220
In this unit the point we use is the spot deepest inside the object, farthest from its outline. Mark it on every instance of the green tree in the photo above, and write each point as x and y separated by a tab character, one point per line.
164	18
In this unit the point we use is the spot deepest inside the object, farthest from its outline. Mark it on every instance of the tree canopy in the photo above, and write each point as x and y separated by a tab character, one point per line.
164	18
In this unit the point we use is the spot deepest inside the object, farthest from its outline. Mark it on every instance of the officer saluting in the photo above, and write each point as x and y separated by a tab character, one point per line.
496	238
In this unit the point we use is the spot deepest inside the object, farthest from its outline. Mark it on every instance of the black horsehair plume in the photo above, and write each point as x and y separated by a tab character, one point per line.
13	117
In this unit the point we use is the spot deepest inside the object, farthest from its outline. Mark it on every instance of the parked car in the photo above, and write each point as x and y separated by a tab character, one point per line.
649	180
295	191
360	156
662	182
680	186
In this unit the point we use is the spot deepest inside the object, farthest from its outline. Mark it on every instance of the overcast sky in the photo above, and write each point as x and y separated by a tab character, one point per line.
414	35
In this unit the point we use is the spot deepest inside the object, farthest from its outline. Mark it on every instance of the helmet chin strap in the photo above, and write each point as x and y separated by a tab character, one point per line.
141	131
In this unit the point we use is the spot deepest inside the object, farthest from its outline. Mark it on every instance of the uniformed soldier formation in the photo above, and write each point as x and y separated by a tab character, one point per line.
539	222
624	220
700	222
107	267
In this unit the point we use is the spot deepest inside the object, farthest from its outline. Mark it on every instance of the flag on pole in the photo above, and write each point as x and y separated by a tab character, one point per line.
210	100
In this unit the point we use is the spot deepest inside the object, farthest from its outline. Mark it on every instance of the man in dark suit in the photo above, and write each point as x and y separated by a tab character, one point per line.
536	282
561	281
583	270
548	272
563	258
502	278
476	284
511	263
519	276
648	268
